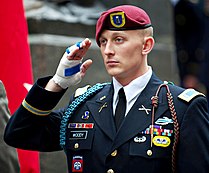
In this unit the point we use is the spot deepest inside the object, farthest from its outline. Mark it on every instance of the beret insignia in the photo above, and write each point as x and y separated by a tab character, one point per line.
189	94
117	19
82	90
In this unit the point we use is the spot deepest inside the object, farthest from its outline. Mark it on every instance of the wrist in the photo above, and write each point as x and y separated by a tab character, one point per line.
52	86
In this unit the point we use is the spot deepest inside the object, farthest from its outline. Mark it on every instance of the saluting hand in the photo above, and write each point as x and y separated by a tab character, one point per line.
71	70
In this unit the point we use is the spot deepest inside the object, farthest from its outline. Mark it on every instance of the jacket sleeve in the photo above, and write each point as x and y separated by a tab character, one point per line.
193	150
34	126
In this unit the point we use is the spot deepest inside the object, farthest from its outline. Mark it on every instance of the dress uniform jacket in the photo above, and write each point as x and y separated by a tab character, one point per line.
93	145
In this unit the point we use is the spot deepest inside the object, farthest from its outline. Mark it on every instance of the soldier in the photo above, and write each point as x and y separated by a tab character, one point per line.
136	123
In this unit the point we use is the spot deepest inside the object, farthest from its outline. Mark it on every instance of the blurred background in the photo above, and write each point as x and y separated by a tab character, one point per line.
55	24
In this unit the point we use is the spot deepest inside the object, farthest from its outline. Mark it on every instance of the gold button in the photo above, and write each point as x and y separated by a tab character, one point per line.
76	145
149	152
114	153
110	171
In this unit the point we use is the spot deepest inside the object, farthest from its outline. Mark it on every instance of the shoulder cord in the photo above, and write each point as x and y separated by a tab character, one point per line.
73	106
174	118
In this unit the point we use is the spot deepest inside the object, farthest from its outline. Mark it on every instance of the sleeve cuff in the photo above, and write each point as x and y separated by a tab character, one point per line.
40	101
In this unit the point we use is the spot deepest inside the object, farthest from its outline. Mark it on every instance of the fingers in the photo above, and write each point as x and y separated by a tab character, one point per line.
85	66
78	50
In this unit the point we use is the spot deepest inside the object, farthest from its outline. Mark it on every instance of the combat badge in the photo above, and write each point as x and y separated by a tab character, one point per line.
117	19
164	121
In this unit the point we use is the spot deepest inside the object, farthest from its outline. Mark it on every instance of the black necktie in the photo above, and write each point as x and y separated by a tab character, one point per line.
120	108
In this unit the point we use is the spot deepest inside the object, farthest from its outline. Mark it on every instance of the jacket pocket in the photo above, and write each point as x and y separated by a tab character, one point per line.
80	139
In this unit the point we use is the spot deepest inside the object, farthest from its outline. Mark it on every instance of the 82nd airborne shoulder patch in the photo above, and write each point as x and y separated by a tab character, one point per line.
77	164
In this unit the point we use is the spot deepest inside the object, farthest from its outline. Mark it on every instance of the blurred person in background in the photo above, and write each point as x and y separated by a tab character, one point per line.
8	155
191	31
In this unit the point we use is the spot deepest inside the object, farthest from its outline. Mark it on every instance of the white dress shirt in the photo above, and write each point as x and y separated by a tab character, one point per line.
132	90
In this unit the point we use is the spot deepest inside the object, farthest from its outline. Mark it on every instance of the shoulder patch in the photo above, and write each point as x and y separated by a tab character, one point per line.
189	94
82	90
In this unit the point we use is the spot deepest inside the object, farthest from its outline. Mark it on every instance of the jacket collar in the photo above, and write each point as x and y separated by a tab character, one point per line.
101	110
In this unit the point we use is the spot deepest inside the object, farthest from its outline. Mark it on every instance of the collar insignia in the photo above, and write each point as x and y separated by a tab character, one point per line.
145	109
102	98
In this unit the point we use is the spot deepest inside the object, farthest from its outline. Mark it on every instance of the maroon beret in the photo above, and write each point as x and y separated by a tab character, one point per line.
124	17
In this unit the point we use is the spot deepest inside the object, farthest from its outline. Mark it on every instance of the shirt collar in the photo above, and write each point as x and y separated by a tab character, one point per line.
134	88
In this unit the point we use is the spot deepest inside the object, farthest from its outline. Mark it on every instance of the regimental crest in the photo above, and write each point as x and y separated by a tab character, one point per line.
117	19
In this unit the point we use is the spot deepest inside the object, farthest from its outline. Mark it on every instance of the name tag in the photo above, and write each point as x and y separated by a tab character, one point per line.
78	134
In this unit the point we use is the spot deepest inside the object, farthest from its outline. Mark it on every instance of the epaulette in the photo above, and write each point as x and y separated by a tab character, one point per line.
189	94
82	90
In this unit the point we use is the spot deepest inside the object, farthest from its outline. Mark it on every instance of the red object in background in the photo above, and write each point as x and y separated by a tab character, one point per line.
16	68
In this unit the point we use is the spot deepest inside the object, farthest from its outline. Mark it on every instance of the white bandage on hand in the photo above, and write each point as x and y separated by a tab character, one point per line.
68	72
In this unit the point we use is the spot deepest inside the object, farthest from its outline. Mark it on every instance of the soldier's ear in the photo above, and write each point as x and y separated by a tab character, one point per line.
148	45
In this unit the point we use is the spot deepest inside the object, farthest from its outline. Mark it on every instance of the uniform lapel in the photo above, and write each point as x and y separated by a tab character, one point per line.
101	110
135	122
137	119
